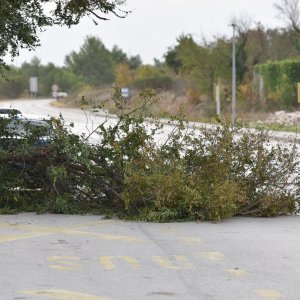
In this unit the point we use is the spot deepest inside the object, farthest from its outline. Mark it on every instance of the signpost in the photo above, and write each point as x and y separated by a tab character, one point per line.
55	89
33	86
125	92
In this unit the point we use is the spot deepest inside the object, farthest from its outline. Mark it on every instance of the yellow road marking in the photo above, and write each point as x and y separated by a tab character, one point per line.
171	230
28	226
102	236
107	263
98	223
16	237
62	295
212	255
238	273
269	294
190	240
38	231
47	229
181	262
65	263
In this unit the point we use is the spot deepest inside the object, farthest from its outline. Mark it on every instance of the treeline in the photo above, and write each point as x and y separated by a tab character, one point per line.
206	64
197	67
93	65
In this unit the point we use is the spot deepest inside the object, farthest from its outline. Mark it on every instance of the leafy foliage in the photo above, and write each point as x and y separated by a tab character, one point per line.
15	85
123	74
152	77
136	170
20	21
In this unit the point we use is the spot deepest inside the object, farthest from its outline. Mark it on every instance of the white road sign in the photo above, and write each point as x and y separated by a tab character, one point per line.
33	85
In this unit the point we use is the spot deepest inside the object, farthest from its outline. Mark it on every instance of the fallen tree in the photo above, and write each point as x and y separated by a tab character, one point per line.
206	174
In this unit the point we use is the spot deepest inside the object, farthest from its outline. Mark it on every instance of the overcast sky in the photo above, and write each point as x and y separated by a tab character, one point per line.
153	26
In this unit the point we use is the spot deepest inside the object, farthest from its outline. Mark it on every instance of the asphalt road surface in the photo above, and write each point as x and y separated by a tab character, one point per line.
67	257
85	121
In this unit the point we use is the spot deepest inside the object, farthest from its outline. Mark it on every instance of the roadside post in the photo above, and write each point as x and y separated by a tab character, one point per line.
218	100
55	91
233	115
33	86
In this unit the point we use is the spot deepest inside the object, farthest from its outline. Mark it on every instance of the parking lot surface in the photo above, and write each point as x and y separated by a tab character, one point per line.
67	257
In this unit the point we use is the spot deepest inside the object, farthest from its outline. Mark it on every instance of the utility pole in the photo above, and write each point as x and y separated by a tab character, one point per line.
233	115
218	100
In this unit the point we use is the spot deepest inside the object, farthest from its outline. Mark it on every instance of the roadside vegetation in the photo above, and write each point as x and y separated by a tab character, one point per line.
189	174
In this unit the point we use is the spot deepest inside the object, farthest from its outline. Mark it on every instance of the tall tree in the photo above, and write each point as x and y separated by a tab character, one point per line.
289	10
172	60
283	43
256	50
93	62
119	56
205	63
134	61
21	20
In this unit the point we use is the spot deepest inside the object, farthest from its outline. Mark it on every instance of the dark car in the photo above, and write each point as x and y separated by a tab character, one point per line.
20	130
25	143
10	111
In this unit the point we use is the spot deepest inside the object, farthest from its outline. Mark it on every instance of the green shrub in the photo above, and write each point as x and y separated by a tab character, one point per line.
151	77
280	80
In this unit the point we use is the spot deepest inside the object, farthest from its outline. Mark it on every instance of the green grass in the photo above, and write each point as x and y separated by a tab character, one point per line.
275	127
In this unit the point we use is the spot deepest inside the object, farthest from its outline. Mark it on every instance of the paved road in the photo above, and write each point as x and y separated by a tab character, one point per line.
84	122
87	121
87	257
